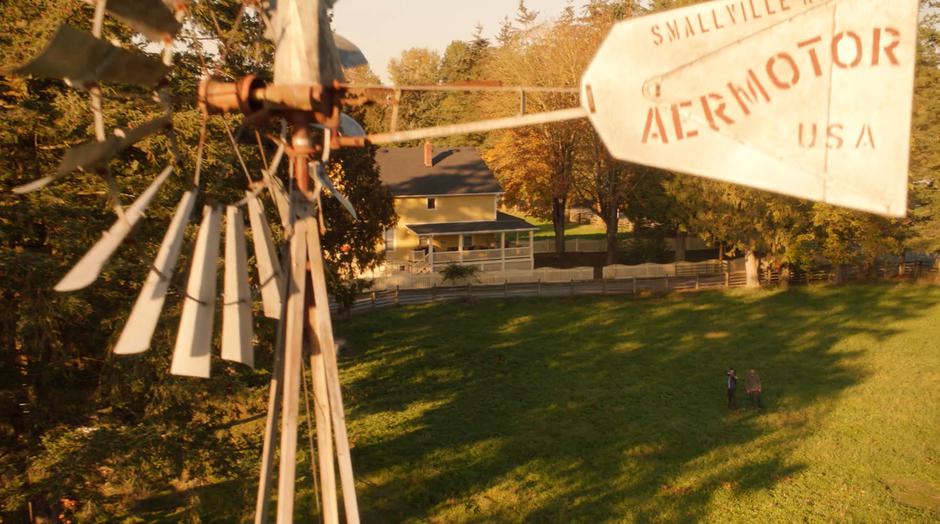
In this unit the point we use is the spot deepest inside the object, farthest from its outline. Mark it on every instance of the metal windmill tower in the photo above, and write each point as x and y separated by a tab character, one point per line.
672	109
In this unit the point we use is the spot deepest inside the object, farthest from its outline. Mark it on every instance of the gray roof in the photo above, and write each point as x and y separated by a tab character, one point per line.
503	222
456	171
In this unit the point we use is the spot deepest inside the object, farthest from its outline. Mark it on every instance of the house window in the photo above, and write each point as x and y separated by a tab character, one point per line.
390	239
432	203
467	242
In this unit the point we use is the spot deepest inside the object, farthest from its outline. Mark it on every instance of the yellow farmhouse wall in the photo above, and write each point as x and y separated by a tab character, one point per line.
414	210
470	208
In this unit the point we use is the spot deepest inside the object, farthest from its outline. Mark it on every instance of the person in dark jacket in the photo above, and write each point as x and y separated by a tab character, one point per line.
732	388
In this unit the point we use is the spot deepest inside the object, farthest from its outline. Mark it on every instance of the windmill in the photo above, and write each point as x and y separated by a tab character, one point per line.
726	89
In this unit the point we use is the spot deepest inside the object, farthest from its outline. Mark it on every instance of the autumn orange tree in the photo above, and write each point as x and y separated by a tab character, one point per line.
537	165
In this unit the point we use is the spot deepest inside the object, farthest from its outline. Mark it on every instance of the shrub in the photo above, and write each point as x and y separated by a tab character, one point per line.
456	273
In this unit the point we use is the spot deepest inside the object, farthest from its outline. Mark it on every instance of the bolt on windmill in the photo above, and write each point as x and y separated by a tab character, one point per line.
806	98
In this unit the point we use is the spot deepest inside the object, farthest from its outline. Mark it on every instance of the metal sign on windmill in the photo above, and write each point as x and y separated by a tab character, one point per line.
806	98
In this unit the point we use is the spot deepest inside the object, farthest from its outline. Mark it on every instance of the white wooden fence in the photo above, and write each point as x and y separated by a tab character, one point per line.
575	245
550	275
591	245
377	299
707	267
428	280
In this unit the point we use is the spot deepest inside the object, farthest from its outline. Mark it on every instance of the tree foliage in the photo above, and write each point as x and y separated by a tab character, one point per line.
82	431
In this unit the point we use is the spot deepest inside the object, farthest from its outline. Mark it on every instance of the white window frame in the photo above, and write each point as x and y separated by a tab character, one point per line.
431	203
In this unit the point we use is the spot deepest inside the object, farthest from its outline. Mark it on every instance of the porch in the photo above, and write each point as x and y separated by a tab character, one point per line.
500	245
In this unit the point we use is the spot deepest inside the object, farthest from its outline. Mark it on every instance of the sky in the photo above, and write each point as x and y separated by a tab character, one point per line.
384	28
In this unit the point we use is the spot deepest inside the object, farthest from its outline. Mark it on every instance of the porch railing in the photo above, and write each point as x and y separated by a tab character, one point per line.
475	255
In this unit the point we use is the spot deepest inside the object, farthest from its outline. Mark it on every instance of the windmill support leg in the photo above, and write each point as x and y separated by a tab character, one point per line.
293	351
270	430
324	331
274	410
307	316
321	406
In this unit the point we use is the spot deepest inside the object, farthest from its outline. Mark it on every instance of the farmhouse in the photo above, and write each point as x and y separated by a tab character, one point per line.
447	202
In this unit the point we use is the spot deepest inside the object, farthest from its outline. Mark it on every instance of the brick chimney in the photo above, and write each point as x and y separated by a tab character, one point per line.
428	154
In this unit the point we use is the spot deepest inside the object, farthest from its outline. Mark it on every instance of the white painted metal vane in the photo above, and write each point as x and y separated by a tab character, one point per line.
806	98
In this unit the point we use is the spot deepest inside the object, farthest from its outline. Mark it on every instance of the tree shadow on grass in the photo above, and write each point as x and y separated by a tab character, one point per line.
593	410
217	502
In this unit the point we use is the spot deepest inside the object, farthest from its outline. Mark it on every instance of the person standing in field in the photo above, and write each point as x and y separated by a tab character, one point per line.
752	384
732	388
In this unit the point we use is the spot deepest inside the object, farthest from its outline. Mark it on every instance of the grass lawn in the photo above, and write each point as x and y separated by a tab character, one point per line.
613	409
587	231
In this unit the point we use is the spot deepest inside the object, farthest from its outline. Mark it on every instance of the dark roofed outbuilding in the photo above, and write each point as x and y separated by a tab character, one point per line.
455	171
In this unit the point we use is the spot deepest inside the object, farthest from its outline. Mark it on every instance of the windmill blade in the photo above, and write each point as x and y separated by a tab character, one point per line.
192	355
83	59
92	153
305	53
349	55
152	18
269	275
140	326
812	101
37	184
236	308
89	267
276	187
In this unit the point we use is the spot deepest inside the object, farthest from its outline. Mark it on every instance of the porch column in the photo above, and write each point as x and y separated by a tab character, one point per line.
502	251
431	252
531	249
460	248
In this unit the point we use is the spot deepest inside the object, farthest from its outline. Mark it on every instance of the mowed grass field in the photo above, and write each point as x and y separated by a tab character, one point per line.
613	409
572	230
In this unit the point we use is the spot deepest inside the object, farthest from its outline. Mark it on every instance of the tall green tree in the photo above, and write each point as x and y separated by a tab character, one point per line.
463	63
417	66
